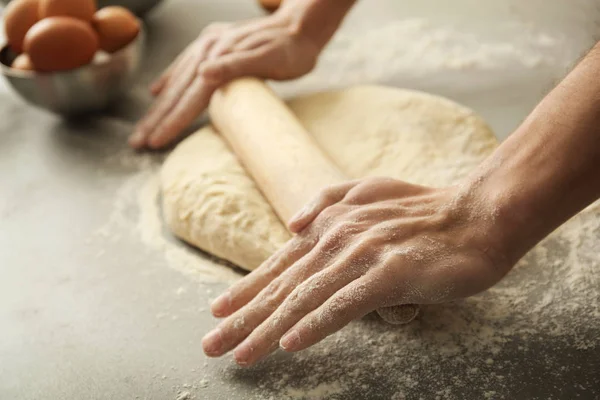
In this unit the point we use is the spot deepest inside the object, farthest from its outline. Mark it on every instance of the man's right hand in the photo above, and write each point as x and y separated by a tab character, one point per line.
271	47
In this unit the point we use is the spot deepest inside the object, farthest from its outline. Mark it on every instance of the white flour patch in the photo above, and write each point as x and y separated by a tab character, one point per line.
426	53
136	211
179	256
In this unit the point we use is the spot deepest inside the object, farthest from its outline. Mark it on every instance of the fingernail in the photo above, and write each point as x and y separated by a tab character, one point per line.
154	86
298	215
136	138
155	140
221	304
290	341
212	342
242	353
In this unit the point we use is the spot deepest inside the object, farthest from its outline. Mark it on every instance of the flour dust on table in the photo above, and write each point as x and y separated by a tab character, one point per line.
136	210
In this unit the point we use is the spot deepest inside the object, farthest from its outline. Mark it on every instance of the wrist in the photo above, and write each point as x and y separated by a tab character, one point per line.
478	207
547	170
315	20
502	220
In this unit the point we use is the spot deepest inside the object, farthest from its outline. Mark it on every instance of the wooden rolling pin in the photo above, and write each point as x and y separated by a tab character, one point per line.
282	157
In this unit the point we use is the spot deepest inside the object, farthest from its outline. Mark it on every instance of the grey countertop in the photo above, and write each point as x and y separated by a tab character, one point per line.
99	316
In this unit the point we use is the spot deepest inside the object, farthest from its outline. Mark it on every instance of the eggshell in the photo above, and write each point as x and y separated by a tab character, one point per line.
19	16
23	62
270	5
80	9
60	43
116	27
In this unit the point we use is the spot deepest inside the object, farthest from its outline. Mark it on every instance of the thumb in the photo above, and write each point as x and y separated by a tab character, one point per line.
400	314
326	198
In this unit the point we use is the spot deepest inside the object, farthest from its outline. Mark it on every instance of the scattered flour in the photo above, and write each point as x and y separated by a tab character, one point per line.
184	396
412	52
136	210
203	383
322	390
179	256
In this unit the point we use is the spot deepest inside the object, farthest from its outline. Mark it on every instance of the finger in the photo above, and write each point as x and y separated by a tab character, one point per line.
184	75
381	189
304	299
256	40
137	139
158	85
169	97
164	103
247	288
193	102
222	47
175	70
352	302
197	47
235	65
326	198
399	315
229	41
238	326
215	28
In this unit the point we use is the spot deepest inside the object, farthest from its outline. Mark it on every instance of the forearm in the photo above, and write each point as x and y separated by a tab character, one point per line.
549	169
317	19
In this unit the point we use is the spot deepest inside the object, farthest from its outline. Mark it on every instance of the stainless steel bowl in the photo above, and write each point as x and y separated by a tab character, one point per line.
138	7
86	89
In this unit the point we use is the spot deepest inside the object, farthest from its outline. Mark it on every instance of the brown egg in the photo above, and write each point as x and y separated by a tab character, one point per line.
19	16
60	43
23	62
116	27
270	5
80	9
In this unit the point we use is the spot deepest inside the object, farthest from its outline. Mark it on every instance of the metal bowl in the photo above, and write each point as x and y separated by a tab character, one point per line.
138	7
90	88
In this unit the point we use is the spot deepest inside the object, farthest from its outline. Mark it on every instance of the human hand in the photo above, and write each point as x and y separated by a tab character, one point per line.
360	246
271	47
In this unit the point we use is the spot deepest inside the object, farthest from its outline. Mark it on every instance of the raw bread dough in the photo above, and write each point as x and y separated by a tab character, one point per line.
211	202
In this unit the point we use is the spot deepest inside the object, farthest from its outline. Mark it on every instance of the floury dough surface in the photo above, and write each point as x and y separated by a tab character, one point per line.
211	202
